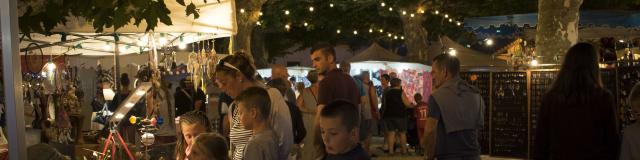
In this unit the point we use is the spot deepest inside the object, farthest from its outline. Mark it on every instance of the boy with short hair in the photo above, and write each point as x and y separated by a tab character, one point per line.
339	127
254	107
630	139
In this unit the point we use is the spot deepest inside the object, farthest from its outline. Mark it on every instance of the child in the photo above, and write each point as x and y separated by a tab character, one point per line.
191	125
254	106
339	126
421	118
209	146
630	139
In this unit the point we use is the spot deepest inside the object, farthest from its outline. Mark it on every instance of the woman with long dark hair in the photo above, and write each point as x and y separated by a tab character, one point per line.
577	116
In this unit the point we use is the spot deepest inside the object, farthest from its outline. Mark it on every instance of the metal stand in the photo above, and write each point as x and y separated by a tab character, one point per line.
111	140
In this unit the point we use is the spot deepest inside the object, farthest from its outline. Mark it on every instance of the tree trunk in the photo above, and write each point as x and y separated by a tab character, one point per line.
557	28
258	49
416	37
246	23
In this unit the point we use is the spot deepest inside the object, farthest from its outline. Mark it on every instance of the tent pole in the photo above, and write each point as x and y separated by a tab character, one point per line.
116	61
12	80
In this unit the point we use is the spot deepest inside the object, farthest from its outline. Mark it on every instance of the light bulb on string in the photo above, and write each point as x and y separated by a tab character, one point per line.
241	10
338	31
450	20
395	37
286	12
306	24
370	30
260	13
446	15
355	32
436	12
331	5
412	15
390	9
381	30
286	26
458	23
401	37
404	12
382	4
311	9
388	34
258	23
421	11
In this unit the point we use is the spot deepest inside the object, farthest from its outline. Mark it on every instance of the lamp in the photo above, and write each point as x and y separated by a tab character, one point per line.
108	94
127	104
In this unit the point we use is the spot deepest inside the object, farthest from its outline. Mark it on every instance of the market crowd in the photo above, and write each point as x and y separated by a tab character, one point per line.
335	117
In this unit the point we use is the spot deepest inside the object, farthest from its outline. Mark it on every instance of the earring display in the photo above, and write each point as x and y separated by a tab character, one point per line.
509	115
541	82
482	81
628	76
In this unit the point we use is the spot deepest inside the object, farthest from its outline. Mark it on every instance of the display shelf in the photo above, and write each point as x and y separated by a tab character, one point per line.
509	115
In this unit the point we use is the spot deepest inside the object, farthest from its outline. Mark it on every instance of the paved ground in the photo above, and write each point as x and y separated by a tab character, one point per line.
377	143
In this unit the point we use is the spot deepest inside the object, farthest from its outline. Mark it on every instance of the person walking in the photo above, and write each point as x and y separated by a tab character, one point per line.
394	116
455	114
308	102
577	117
335	85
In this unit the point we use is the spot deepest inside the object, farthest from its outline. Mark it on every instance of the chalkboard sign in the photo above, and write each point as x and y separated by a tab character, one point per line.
541	82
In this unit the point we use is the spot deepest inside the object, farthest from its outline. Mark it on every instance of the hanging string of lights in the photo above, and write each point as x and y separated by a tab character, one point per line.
418	11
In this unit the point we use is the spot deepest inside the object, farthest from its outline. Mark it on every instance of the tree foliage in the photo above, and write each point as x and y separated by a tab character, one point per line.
41	16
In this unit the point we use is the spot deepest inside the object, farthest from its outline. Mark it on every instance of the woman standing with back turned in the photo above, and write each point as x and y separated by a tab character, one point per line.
577	116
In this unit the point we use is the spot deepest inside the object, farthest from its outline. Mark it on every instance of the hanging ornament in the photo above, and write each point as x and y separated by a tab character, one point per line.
148	139
153	121
159	120
132	119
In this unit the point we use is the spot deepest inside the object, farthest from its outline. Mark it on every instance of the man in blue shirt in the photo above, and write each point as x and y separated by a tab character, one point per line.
455	114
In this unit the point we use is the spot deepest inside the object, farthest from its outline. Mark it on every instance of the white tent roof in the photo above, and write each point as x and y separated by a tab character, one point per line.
375	53
216	20
467	56
293	71
358	67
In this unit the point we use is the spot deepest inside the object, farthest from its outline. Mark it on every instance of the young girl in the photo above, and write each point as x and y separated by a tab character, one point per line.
209	146
191	125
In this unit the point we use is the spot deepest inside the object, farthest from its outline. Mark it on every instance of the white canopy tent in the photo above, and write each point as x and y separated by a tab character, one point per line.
217	19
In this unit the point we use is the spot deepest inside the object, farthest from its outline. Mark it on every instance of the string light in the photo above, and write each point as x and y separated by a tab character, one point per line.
390	9
241	10
355	32
436	12
401	37
306	24
388	34
421	11
450	20
286	12
446	15
458	23
287	26
260	13
338	31
331	5
412	15
370	30
395	37
381	30
382	4
258	23
311	9
404	12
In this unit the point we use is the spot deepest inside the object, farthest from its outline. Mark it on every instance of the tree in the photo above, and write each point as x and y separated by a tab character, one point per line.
247	14
41	16
557	28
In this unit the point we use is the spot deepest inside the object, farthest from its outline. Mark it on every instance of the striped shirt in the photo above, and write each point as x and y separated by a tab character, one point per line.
238	135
